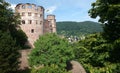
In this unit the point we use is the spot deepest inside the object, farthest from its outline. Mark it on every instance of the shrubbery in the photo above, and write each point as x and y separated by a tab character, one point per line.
51	49
97	54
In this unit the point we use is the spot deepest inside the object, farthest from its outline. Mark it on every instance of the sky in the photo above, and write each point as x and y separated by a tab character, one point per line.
64	10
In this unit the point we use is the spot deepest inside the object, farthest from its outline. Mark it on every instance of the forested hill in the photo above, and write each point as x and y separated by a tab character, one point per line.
78	28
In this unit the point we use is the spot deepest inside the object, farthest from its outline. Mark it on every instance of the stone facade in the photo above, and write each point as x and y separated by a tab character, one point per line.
33	22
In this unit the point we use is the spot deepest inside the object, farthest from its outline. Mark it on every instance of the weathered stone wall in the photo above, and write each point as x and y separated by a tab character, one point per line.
52	21
46	27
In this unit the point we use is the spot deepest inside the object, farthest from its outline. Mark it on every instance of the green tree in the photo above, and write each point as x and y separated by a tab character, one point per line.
108	12
20	37
51	49
8	54
8	47
9	22
96	54
7	18
50	69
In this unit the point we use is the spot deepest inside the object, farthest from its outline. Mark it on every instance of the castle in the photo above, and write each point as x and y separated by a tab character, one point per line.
33	22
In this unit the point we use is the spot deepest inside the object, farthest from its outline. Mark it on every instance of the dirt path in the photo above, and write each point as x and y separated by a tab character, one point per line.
77	67
24	59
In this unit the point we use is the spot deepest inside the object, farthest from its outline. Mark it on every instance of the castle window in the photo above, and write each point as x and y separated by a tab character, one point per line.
32	30
29	21
36	14
36	22
40	15
30	6
50	25
29	13
23	21
23	6
40	22
23	13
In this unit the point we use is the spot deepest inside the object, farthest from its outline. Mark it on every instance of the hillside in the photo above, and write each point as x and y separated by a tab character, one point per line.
78	28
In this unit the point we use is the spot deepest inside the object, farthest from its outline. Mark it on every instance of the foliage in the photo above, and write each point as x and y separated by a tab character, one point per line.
95	53
8	54
24	71
108	12
9	23
8	43
7	18
49	69
78	28
20	37
51	49
115	52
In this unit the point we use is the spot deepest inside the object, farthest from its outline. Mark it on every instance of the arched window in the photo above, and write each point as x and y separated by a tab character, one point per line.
23	21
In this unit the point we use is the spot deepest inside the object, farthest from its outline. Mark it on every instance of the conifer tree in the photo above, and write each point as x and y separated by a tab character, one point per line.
8	54
9	22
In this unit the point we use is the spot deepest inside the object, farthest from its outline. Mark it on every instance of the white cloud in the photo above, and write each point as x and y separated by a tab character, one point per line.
13	6
50	9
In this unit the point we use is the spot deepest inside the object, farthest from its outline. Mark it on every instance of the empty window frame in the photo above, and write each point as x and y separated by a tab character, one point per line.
32	30
23	21
40	15
36	14
29	21
23	13
50	25
40	22
29	14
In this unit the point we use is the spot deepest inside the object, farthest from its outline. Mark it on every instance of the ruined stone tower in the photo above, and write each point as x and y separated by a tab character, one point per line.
33	22
52	23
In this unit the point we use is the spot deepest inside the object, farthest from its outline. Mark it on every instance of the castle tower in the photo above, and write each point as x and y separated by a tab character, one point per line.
32	19
46	27
52	23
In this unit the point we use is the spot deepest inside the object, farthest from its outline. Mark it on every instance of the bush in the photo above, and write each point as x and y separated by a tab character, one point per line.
97	54
49	69
51	49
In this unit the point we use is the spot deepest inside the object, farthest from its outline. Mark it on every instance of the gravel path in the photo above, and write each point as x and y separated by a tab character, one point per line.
77	67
